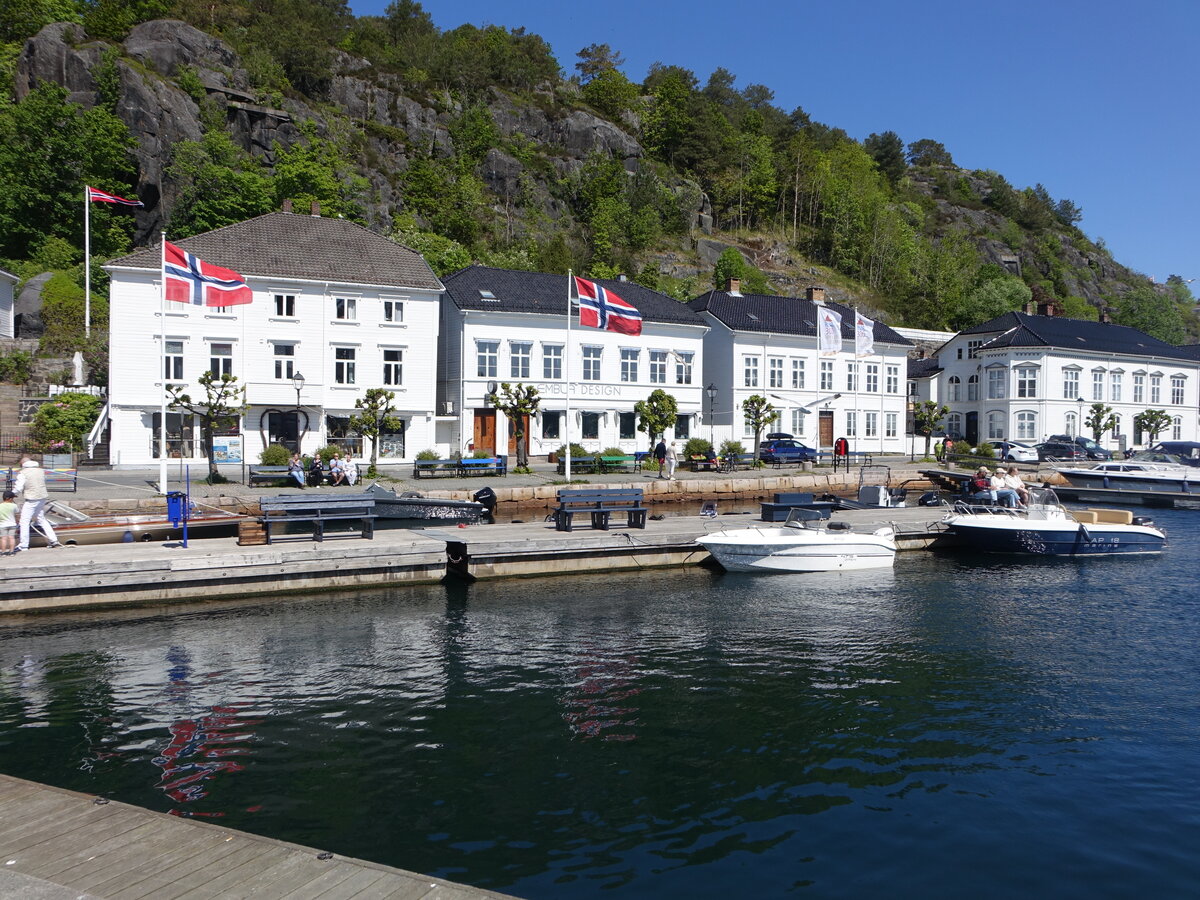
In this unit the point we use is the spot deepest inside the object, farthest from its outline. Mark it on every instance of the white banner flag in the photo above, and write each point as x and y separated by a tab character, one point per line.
829	332
864	335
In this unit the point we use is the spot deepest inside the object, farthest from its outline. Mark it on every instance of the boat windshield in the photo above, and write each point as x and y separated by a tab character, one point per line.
803	518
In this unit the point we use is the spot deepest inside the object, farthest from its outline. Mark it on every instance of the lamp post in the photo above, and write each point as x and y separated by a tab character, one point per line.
298	384
1079	421
711	390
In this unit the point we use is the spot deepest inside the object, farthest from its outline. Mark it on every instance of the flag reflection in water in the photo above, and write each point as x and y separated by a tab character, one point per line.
198	751
594	703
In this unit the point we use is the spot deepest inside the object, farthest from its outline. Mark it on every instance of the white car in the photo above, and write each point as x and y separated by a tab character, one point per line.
1013	451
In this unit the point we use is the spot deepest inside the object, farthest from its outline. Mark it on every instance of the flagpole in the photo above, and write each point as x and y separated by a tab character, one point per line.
162	367
567	379
87	263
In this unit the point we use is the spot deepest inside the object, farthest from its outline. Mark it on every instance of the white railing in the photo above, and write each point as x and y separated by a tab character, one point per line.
96	435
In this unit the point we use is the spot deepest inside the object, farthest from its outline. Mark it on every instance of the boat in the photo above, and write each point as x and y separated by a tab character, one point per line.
74	528
1145	471
1047	528
804	543
410	509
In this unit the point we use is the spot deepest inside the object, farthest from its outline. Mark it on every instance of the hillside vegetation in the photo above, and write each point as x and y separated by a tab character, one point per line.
473	144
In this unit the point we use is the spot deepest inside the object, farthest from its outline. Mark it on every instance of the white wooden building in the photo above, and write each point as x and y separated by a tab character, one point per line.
8	287
1025	377
500	325
342	307
767	345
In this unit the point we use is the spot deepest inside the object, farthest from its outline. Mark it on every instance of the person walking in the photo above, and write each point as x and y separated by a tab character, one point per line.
31	485
660	454
672	459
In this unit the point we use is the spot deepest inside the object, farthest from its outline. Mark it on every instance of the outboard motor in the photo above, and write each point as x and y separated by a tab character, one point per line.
487	497
1144	521
930	498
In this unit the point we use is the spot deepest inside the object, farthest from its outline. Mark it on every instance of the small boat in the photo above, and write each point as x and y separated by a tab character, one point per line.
804	543
1047	528
1145	471
73	528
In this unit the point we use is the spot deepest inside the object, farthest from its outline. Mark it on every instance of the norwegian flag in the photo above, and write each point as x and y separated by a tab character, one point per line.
189	279
599	308
95	196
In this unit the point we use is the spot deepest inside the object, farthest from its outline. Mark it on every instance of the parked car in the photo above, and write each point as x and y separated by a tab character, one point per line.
785	451
1060	450
1014	451
1091	449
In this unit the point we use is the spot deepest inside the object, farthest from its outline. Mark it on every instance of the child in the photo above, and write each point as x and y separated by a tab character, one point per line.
8	524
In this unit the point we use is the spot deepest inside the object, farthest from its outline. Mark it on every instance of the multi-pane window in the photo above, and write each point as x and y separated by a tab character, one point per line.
345	309
972	388
972	348
954	423
487	356
1072	424
1114	387
173	363
1155	390
750	371
683	427
629	363
1176	428
890	424
393	366
1026	426
551	421
591	364
552	361
590	425
798	374
285	305
798	417
1071	384
995	426
1116	429
1139	388
955	388
393	311
1098	386
827	375
220	359
775	371
627	426
997	379
343	365
892	385
285	361
871	424
683	367
658	366
851	424
872	378
1027	382
852	376
1177	390
518	359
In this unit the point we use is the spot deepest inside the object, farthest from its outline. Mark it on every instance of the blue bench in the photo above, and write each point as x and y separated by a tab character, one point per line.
489	465
599	505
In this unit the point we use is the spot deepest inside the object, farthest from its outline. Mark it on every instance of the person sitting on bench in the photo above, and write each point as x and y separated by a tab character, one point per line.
316	472
296	469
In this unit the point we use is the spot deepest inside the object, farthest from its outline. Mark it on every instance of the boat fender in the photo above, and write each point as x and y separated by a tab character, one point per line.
839	526
127	537
1084	533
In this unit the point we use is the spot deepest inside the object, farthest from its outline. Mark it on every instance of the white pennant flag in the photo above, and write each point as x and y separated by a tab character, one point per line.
864	335
829	332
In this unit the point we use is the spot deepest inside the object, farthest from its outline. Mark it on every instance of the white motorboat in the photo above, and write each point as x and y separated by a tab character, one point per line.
804	543
1144	471
1046	528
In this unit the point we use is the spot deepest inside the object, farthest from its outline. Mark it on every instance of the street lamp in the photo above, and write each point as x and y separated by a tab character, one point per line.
1079	421
298	384
711	390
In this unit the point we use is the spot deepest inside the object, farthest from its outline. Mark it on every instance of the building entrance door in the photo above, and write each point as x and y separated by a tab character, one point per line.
972	429
485	430
825	428
512	435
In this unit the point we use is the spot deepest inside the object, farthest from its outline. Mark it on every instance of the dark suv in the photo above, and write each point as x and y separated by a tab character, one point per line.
1056	450
1091	449
785	451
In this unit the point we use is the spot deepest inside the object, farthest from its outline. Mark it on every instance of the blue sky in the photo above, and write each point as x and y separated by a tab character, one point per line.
1095	100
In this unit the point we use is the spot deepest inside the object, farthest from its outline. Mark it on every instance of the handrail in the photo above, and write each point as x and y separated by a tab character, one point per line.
94	436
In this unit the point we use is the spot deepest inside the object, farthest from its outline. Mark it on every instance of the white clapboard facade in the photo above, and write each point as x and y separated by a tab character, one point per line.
8	286
501	325
767	346
333	302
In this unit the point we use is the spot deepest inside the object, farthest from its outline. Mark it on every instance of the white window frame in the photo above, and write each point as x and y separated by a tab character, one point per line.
851	423
891	424
955	384
973	389
775	372
487	358
893	380
871	424
683	366
1178	389
345	309
220	362
629	364
1098	385
797	374
851	376
1155	390
1071	384
872	384
658	366
1139	387
393	311
826	375
1114	387
171	355
750	371
995	425
593	358
1027	382
1026	425
345	365
519	355
285	305
552	360
997	384
285	362
393	369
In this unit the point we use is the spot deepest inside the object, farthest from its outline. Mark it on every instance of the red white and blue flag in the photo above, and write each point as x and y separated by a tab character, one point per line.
95	196
600	308
189	279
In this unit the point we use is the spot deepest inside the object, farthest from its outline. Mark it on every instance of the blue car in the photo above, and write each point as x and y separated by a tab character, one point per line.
785	452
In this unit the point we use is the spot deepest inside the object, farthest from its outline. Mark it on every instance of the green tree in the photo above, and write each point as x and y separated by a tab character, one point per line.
63	314
992	298
219	184
611	93
317	169
926	152
1152	421
595	60
1078	308
443	254
1101	419
223	403
888	152
375	419
1147	310
65	420
759	414
656	413
518	402
927	418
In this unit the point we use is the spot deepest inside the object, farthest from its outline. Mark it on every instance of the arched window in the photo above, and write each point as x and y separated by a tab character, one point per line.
955	389
972	388
1072	426
995	426
954	424
1026	426
1176	429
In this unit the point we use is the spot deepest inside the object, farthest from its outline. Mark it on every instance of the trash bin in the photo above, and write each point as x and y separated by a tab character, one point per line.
176	507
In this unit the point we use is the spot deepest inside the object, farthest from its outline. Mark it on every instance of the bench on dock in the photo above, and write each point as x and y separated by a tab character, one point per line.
255	474
580	465
317	511
785	501
435	467
487	465
629	462
600	505
56	479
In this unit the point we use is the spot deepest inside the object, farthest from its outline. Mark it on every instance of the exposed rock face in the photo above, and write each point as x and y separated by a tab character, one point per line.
27	310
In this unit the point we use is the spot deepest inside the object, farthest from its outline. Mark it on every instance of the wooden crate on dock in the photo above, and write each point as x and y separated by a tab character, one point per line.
251	533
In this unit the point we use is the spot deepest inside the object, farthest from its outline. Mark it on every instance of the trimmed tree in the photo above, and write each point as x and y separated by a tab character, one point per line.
927	418
656	413
1153	422
375	419
1101	420
759	413
223	403
517	402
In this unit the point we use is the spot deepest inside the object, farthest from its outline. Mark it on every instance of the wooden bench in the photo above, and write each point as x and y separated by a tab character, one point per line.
600	505
56	479
580	465
435	467
256	474
702	463
488	465
731	461
626	463
317	510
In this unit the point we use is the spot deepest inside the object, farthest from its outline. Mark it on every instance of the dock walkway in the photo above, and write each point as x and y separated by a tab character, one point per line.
57	844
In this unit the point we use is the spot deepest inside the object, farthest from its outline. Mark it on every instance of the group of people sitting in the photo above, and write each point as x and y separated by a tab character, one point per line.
1003	488
341	470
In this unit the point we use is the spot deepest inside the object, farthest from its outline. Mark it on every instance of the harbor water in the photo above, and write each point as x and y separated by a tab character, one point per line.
962	725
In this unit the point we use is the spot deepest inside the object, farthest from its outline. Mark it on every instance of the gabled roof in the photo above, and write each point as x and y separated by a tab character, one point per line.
923	368
1018	329
1191	351
314	248
537	292
781	315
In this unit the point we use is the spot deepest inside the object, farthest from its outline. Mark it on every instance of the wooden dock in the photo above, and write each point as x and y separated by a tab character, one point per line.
61	844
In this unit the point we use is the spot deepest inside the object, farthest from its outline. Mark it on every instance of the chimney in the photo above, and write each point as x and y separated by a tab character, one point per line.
287	205
1105	318
734	287
622	277
315	209
1030	306
815	295
1047	309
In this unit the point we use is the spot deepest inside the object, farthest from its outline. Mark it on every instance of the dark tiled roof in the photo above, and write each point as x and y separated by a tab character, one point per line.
288	245
1023	330
536	292
923	368
781	315
1191	351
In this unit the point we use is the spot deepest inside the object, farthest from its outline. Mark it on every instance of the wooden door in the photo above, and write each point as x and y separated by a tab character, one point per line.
512	435
825	428
485	430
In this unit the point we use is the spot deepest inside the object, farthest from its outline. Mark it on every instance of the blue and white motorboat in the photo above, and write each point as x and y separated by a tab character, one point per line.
1047	528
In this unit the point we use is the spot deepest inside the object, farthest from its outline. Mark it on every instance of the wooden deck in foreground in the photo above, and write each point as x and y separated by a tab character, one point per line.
61	844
